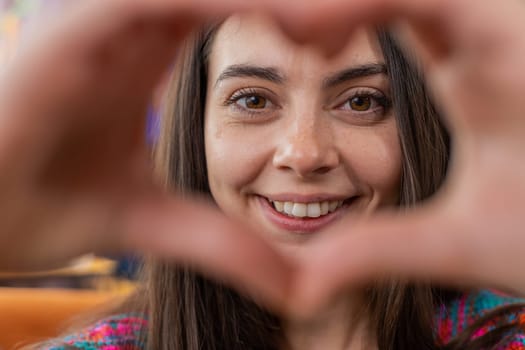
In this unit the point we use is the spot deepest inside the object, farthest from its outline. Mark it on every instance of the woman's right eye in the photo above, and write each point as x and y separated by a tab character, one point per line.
249	100
253	102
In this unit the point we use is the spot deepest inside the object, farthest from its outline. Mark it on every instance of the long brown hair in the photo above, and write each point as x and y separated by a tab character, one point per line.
188	311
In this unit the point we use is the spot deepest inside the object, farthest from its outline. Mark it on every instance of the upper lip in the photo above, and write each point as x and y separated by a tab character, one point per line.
306	198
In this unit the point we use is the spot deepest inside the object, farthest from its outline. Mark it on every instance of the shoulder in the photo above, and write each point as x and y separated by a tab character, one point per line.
117	332
479	309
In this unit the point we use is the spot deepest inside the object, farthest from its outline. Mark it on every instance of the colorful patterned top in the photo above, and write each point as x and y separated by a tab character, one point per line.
123	332
120	332
454	317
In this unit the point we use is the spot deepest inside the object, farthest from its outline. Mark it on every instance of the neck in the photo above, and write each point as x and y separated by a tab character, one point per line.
342	325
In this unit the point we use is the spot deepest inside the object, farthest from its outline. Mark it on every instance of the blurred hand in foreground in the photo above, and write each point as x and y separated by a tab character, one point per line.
473	232
76	175
75	168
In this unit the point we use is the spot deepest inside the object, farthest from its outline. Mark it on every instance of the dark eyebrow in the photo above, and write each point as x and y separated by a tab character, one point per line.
248	71
354	73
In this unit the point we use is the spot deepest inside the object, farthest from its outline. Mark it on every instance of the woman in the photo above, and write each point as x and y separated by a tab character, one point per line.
91	113
283	148
290	142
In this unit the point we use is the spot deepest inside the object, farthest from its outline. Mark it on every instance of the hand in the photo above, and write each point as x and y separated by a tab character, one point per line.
472	232
75	170
76	175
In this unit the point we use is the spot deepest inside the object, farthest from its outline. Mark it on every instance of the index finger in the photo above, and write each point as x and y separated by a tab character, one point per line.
327	22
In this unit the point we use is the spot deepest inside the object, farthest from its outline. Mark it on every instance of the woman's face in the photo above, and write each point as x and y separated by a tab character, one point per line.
295	141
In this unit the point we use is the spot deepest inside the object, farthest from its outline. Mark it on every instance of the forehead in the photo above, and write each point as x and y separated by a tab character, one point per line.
257	40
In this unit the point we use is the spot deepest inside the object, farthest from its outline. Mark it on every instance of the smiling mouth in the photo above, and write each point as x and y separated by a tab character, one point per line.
308	210
304	217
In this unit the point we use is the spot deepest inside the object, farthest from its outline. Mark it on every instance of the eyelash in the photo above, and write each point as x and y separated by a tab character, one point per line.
243	93
378	97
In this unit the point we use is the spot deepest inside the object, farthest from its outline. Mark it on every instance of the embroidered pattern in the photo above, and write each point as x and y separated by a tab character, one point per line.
125	332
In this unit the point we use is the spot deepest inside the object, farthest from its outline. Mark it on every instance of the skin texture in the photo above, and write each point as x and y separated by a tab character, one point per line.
304	141
75	175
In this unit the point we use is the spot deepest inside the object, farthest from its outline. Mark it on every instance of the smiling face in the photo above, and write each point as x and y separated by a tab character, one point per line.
296	141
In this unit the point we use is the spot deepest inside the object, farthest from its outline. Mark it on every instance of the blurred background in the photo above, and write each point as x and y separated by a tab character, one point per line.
40	305
18	18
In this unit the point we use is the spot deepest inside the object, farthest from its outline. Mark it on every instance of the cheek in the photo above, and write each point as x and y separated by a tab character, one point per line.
235	156
375	158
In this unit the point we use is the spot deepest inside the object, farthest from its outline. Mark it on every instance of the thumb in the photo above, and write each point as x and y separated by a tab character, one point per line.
196	234
423	244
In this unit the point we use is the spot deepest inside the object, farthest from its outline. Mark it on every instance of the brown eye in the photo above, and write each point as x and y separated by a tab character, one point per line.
251	101
360	103
254	102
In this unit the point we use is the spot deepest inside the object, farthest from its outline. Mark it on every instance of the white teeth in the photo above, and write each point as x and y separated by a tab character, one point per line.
279	206
313	210
301	210
325	206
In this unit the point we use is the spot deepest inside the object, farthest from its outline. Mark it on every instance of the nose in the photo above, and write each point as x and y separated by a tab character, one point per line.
307	148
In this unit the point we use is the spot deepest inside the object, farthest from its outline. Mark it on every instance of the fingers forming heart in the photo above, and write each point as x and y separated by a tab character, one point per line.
65	182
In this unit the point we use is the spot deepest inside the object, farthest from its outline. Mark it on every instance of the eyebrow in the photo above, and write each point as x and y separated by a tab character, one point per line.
361	71
273	75
248	71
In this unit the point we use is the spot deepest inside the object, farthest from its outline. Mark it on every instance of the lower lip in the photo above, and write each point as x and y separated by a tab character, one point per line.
305	225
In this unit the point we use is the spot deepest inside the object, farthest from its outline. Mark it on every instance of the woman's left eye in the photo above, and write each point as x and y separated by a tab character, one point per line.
363	103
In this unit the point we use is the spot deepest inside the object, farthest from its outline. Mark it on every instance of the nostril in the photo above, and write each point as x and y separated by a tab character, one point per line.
323	170
306	160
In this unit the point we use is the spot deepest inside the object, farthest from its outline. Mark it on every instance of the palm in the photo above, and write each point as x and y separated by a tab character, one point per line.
479	87
85	154
76	172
